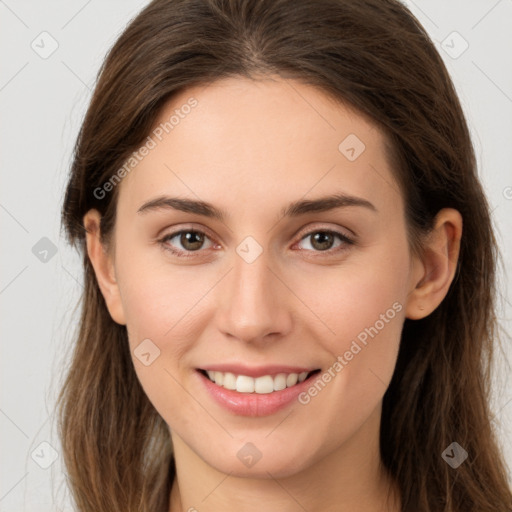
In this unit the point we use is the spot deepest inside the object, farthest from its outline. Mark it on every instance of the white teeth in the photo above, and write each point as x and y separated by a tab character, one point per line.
262	385
244	384
280	382
229	381
302	376
291	380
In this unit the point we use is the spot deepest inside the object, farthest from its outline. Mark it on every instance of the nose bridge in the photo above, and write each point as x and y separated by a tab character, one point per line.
252	301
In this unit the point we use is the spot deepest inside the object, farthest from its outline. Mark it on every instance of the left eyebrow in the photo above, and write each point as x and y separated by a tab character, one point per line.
294	209
324	204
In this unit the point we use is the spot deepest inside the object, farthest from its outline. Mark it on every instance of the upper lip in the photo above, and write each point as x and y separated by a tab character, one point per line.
255	371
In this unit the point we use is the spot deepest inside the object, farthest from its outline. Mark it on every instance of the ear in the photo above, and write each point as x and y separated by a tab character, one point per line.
102	262
435	269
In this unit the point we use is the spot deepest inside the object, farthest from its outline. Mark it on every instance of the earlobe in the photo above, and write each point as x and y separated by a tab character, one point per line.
103	265
437	266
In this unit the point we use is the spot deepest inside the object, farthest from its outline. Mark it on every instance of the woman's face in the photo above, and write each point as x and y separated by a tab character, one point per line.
268	278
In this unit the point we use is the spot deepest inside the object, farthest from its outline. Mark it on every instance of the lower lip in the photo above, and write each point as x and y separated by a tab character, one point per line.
253	404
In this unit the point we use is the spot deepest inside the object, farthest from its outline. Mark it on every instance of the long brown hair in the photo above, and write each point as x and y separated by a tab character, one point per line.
375	56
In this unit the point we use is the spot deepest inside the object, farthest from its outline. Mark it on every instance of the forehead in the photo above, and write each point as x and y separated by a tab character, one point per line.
262	141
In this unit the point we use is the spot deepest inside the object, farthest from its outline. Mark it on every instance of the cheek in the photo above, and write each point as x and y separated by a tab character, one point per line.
364	304
163	317
164	304
158	298
360	299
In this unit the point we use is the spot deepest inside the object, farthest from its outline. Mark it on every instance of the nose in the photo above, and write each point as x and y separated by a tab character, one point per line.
253	303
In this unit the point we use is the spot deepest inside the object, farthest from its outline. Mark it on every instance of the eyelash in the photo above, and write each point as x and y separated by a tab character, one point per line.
189	254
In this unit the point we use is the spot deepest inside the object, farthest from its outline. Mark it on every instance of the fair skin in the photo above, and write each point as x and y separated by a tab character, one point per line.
250	148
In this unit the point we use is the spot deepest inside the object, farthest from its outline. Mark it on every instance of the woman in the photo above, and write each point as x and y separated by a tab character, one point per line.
289	269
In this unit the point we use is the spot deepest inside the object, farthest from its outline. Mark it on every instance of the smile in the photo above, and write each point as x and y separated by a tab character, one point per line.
264	384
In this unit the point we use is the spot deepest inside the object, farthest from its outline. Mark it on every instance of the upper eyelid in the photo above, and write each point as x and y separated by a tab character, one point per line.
185	228
339	231
299	232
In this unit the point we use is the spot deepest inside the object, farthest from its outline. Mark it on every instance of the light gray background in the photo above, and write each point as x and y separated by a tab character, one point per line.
42	102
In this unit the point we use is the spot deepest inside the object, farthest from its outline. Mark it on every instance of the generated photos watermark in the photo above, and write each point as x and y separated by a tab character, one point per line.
152	141
343	360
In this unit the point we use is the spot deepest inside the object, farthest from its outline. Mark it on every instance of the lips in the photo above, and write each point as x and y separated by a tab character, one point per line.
255	395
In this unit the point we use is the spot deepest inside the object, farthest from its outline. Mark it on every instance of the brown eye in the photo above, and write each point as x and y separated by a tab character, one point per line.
322	240
184	241
191	240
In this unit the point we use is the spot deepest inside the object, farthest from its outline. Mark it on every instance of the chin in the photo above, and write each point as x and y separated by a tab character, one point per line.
249	462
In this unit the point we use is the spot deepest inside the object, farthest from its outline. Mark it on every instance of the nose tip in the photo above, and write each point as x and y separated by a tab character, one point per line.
252	306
